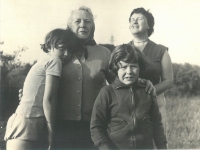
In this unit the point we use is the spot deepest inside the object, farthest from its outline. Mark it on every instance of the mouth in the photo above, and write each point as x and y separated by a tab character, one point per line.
63	59
83	31
128	78
135	27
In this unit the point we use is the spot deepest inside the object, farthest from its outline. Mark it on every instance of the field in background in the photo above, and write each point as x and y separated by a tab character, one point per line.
183	123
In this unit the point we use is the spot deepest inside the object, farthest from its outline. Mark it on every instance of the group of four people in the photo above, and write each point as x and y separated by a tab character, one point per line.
64	99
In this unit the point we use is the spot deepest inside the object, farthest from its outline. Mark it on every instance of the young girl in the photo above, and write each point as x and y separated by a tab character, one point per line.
124	116
33	122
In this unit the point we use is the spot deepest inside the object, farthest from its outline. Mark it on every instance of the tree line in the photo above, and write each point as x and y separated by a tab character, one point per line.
13	73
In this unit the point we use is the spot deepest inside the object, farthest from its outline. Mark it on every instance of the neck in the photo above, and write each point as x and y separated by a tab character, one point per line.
140	41
140	37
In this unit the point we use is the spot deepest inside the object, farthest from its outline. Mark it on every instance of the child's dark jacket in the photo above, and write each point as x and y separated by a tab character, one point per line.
126	117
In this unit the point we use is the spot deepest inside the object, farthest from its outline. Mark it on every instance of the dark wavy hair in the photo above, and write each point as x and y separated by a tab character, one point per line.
128	54
148	15
59	36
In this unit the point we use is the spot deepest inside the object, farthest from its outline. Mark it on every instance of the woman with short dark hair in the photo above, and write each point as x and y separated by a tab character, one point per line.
159	72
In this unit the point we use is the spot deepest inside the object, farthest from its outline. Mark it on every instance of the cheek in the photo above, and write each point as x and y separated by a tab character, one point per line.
74	28
144	24
137	72
130	26
120	74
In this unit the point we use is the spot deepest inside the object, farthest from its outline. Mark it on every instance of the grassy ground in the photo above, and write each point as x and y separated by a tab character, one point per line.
183	123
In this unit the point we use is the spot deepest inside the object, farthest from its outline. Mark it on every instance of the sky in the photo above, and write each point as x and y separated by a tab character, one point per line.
24	23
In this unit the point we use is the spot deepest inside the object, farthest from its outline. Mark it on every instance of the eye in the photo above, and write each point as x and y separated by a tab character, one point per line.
61	47
77	21
134	67
132	19
87	21
123	67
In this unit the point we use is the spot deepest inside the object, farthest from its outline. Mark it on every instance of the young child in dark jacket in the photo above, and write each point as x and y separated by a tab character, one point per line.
124	116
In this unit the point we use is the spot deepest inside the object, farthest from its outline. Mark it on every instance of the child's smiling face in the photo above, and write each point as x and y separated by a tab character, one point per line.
128	73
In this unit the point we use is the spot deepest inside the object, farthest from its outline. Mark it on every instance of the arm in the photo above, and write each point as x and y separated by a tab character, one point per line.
49	104
167	74
98	124
166	77
158	129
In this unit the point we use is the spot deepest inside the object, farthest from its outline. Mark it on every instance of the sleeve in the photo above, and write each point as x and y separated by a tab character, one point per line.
158	129
54	67
99	121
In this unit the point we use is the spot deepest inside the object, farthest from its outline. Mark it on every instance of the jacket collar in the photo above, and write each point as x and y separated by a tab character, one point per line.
118	84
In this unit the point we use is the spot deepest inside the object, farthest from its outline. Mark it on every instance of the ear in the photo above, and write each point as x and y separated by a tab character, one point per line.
49	50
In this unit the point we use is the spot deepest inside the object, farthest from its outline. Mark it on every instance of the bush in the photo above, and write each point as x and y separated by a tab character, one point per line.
186	80
13	73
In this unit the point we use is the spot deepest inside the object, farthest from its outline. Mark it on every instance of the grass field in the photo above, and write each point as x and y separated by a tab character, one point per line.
183	123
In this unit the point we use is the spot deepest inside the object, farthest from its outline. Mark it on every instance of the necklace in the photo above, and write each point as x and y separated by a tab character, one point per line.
141	41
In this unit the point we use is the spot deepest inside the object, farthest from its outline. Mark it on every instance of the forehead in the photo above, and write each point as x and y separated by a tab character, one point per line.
81	14
126	64
137	15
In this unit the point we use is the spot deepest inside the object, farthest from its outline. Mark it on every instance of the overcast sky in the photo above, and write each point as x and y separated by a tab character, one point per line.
177	24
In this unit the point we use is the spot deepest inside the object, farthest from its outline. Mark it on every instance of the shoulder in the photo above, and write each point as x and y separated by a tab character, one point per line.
158	46
141	92
100	49
53	61
107	89
53	65
99	52
157	50
49	59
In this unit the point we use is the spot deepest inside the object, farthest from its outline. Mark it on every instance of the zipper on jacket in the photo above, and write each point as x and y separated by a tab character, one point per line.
133	115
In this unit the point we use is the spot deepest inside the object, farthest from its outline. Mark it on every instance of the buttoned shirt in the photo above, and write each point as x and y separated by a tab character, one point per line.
81	81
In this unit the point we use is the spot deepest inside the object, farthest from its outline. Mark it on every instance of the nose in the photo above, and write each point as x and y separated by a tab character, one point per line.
128	70
82	24
135	21
65	53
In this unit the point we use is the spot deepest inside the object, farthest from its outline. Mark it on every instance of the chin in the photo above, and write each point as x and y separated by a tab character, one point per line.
83	37
128	83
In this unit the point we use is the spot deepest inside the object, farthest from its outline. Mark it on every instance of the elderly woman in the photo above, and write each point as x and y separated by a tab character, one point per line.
81	85
81	80
159	72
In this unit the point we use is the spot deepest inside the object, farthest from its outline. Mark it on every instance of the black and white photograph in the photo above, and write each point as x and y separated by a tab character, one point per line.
99	74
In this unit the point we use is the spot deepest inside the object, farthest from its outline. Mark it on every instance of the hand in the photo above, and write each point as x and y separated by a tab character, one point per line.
50	141
150	89
20	94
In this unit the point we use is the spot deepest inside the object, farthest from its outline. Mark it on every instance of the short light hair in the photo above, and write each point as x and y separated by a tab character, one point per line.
84	8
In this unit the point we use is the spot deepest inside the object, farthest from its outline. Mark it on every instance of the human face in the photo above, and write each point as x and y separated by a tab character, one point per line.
128	73
82	24
138	24
60	51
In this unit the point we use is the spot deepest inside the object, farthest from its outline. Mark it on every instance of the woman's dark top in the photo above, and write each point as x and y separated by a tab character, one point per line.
154	53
